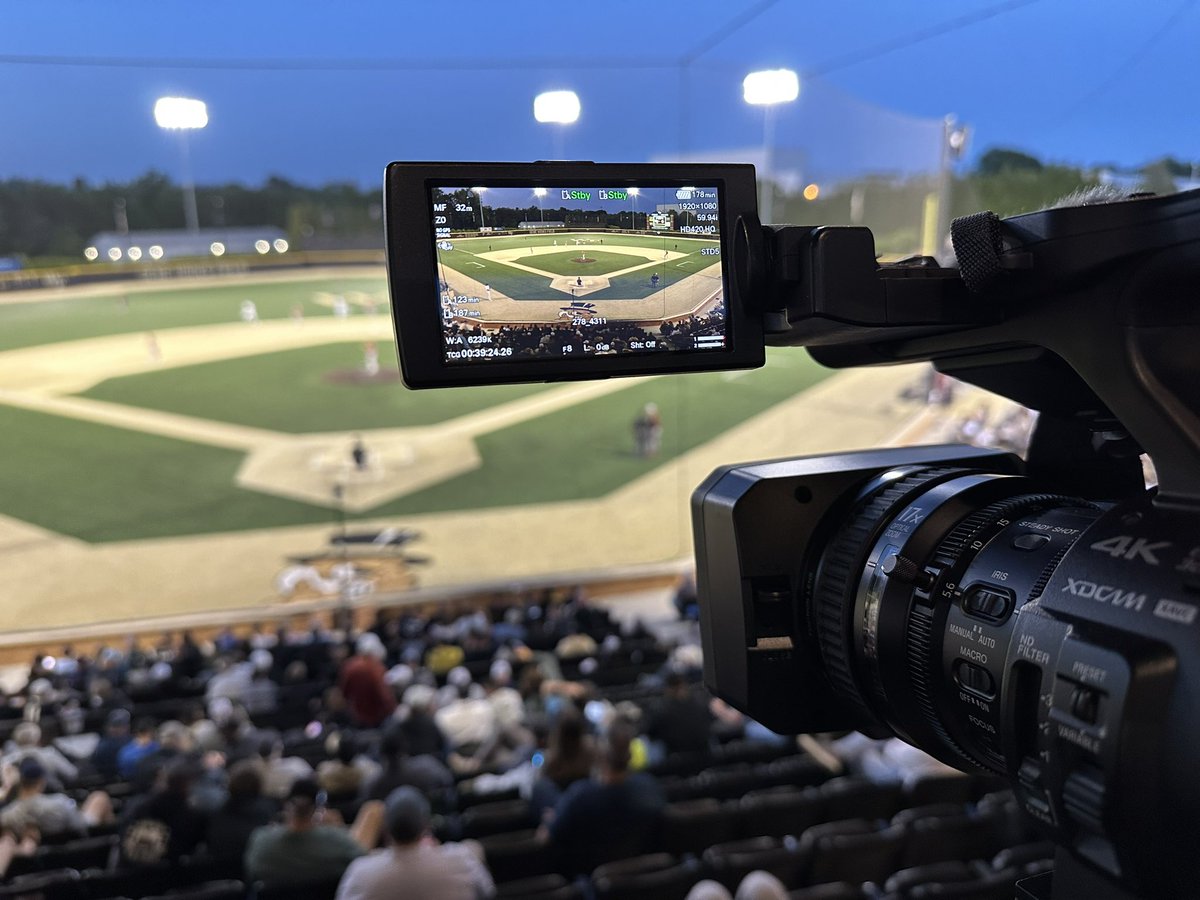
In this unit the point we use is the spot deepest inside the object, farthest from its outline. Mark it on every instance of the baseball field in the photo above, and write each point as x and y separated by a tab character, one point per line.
163	451
623	277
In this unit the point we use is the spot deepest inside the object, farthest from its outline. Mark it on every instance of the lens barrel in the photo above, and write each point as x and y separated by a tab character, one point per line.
916	595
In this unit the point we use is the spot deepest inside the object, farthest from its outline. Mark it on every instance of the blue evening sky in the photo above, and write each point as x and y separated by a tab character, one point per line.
1085	81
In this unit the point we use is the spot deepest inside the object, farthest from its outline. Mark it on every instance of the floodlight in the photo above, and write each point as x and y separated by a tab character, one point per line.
262	246
812	192
771	86
281	245
155	251
539	192
135	253
91	254
217	248
180	112
114	253
558	107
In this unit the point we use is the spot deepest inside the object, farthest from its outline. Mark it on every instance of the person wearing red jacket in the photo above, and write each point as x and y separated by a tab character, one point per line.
362	683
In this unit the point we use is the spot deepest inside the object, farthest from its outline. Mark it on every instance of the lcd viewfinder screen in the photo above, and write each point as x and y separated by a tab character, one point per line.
561	272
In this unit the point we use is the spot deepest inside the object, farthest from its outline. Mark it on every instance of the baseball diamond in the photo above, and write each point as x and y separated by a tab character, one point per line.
150	423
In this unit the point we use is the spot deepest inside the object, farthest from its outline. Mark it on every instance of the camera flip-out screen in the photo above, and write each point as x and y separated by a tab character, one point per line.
554	271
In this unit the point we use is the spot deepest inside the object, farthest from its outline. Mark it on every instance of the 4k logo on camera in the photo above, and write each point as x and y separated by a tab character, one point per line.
1125	547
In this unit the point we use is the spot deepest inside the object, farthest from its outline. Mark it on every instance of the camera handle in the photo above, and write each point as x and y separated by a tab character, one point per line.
1088	315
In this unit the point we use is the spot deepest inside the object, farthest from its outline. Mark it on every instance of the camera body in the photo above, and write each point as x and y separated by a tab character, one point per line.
1031	617
941	595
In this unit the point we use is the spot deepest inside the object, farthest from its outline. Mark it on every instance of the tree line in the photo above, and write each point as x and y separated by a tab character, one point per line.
45	221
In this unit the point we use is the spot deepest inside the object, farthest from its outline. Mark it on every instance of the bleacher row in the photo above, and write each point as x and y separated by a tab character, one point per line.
745	806
844	837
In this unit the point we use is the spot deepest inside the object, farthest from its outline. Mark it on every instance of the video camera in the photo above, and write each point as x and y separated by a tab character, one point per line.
1033	618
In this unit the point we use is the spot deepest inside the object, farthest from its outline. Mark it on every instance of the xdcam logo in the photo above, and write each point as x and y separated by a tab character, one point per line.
445	245
1104	593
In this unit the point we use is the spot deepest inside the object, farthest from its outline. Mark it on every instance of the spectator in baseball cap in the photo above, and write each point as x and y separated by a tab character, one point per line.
426	869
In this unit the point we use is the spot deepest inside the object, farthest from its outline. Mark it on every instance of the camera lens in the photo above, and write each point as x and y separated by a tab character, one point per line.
914	600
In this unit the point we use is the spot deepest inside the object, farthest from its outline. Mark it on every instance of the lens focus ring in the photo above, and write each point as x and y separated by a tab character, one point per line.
838	578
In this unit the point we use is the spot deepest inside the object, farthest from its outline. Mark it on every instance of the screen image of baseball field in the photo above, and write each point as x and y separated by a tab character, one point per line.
578	256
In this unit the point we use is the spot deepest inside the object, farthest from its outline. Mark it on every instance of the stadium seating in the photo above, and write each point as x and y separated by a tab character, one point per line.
60	884
730	863
515	855
853	850
543	887
783	810
656	877
691	825
738	807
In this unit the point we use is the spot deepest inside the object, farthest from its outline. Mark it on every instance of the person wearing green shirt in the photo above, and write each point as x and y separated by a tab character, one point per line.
312	846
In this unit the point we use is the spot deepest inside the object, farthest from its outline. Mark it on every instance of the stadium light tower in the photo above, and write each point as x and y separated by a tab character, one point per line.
768	89
540	193
559	109
183	115
633	195
478	192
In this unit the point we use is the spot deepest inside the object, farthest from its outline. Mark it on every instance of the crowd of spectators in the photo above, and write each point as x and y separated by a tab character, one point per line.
299	751
329	759
550	339
680	334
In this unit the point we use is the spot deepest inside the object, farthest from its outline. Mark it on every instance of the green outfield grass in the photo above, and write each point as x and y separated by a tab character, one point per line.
586	450
521	285
289	391
102	484
51	321
108	484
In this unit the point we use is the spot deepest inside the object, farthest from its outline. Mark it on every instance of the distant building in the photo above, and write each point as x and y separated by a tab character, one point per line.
151	246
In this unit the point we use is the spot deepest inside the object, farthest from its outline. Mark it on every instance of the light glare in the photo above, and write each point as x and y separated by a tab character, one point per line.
135	253
558	107
281	245
812	192
217	248
262	246
180	112
156	252
771	86
539	192
91	254
114	253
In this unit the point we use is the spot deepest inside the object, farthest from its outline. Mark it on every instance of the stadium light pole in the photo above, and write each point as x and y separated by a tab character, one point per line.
478	191
954	145
769	88
183	114
540	193
558	109
633	195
